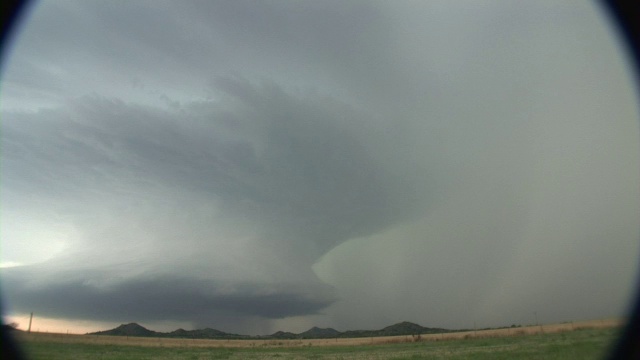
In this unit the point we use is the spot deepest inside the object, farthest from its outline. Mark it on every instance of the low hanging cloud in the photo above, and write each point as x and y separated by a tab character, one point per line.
253	193
102	296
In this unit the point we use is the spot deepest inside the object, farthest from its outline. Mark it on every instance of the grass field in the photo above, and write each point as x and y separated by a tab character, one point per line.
558	342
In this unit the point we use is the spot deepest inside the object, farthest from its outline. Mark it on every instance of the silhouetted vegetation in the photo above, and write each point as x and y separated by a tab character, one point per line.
403	328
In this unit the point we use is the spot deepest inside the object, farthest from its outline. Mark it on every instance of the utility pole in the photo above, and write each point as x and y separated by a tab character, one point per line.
535	313
30	319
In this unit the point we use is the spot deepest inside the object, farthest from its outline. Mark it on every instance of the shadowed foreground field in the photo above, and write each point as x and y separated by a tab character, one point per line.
562	343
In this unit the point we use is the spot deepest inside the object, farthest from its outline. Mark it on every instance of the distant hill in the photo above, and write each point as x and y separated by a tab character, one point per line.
134	329
203	334
408	328
131	329
318	333
282	335
403	328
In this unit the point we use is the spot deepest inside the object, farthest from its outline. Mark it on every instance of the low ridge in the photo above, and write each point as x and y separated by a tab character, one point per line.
318	333
402	328
131	329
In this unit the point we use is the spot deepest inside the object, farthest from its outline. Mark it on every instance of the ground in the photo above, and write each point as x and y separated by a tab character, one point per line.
586	340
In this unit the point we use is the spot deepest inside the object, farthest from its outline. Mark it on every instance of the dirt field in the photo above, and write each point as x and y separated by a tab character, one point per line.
207	343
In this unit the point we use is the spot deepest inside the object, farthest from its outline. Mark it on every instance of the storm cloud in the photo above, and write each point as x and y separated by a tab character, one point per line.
260	178
344	164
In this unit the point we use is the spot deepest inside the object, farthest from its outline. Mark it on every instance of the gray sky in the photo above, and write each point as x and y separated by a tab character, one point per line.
260	166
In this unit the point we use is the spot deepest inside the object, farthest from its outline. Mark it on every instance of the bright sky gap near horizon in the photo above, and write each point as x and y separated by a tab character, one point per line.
255	166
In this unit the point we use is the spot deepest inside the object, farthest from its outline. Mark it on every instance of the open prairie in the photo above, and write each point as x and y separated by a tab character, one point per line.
579	340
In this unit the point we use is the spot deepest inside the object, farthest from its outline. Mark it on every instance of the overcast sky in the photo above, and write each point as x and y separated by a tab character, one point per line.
255	166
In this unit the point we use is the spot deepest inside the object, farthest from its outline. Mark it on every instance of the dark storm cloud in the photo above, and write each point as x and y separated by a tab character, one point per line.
84	296
343	48
287	165
293	158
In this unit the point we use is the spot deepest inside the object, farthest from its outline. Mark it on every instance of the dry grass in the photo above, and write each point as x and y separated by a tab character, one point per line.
207	343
